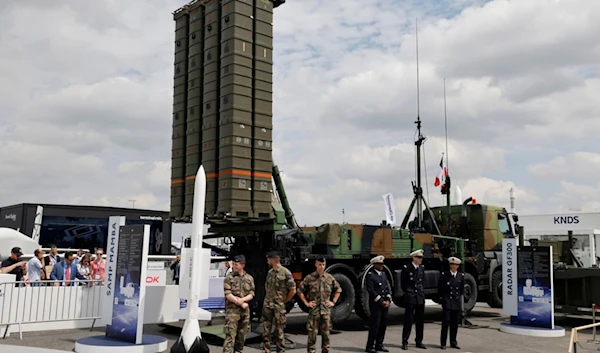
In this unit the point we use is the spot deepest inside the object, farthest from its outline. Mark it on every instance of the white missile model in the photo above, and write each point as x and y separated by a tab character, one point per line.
193	274
128	291
457	196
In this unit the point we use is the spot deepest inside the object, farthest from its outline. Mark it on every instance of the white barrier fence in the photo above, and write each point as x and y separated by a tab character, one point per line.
43	304
45	307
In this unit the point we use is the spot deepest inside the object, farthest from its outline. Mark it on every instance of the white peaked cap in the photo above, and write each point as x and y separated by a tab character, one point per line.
377	259
454	260
417	253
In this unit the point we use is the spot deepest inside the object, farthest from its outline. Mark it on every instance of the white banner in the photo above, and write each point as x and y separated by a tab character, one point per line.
156	265
185	273
509	277
37	223
390	208
110	280
143	275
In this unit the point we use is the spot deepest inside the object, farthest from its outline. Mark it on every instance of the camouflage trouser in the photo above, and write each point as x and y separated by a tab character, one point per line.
268	316
237	323
316	319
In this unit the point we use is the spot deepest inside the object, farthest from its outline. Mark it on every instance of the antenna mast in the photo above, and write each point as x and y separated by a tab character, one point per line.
418	189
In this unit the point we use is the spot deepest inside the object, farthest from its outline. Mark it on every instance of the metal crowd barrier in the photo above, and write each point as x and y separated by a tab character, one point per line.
595	308
40	302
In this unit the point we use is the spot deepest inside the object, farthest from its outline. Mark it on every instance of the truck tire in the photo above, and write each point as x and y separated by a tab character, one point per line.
495	295
301	305
362	297
361	307
289	306
470	292
343	308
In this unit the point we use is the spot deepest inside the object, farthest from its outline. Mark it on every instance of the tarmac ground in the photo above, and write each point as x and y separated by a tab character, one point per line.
352	334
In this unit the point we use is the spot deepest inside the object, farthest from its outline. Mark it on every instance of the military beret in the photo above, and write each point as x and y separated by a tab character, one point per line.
417	253
274	253
320	258
239	258
454	260
377	259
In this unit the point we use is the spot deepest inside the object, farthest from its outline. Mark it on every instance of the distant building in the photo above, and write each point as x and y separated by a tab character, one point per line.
86	227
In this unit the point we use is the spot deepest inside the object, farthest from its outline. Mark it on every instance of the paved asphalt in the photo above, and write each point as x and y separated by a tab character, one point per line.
352	335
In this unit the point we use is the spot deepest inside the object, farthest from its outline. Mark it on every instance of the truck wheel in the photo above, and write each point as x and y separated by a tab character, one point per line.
343	308
471	291
495	296
361	307
399	302
289	306
301	304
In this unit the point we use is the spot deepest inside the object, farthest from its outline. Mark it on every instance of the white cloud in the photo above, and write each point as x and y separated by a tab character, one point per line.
86	103
580	165
578	196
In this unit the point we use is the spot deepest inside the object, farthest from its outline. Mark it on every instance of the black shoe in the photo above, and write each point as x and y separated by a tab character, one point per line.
455	346
421	345
404	346
381	349
443	348
370	350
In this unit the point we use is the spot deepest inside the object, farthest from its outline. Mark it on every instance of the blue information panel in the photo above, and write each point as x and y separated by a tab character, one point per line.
535	287
129	293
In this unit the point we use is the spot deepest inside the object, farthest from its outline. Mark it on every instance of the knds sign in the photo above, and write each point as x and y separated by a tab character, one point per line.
566	220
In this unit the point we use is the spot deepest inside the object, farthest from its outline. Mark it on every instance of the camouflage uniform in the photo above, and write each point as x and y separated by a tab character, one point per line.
237	320
279	282
319	288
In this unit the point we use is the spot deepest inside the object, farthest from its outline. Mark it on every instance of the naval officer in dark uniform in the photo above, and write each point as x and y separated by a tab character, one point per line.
380	298
412	279
451	287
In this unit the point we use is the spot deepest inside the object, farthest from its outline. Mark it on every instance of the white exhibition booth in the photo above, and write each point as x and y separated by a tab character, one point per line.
26	309
585	228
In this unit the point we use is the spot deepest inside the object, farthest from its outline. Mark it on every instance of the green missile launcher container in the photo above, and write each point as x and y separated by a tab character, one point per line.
222	108
178	154
210	117
262	153
235	148
193	155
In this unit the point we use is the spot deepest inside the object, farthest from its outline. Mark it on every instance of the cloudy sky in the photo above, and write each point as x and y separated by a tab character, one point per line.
86	102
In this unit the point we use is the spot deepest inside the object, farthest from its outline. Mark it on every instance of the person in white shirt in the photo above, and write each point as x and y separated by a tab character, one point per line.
35	269
78	257
83	267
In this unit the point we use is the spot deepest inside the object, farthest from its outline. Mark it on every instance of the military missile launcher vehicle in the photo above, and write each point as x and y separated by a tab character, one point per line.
222	119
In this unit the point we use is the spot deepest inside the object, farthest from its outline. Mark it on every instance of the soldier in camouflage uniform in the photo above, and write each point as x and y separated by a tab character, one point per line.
238	288
280	288
315	291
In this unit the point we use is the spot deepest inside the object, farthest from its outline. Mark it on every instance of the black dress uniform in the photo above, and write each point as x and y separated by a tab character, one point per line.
414	302
379	291
451	288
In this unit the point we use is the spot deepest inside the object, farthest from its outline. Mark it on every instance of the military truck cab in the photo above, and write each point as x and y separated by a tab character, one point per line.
483	227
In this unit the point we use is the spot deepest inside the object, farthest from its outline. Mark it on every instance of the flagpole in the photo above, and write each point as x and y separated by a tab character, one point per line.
447	181
446	128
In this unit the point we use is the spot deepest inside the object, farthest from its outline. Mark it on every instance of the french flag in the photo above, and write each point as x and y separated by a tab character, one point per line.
441	177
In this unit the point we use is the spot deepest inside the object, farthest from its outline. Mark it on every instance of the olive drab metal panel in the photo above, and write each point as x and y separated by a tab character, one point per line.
222	107
210	121
263	111
235	148
193	155
179	114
